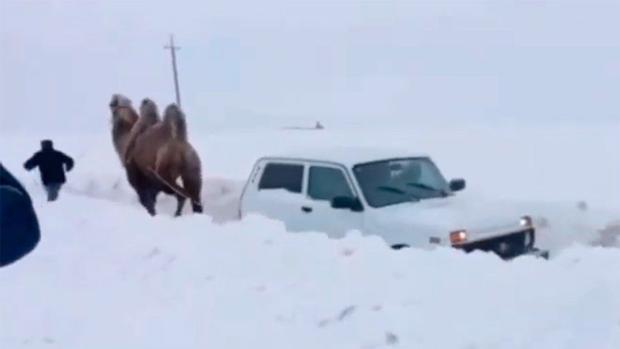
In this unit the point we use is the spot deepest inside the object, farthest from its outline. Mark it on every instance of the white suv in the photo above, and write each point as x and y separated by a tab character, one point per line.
401	197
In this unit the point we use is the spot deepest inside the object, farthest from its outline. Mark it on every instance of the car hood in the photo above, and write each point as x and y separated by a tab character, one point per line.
452	213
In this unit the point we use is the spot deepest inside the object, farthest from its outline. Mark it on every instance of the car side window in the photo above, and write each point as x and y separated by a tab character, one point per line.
326	183
282	176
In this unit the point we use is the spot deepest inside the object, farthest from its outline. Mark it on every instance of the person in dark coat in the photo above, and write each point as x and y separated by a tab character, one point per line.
52	164
19	227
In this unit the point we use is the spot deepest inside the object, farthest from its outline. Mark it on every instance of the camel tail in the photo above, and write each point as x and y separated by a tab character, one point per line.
173	186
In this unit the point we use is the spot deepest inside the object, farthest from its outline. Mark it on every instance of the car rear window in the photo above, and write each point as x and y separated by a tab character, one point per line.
282	176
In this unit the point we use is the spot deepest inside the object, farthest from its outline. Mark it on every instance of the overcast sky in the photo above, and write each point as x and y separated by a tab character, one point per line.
294	62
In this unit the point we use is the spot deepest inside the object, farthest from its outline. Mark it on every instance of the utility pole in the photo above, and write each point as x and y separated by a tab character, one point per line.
173	50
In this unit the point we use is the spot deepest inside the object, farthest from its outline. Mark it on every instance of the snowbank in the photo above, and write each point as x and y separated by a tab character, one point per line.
107	276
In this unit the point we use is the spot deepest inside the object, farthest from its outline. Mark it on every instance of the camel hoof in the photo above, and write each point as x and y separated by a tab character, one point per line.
197	208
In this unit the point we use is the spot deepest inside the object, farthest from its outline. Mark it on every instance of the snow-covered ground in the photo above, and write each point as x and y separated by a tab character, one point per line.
106	275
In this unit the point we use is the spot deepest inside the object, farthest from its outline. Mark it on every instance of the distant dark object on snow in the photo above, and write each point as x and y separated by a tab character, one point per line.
582	206
19	227
316	127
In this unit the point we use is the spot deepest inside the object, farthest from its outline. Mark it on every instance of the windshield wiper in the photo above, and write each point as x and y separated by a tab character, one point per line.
391	189
396	190
427	187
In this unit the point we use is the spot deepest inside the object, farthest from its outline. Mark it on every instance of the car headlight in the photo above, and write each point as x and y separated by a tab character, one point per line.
526	221
458	237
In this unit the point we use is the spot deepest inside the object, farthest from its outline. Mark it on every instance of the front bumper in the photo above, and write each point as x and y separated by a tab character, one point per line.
507	246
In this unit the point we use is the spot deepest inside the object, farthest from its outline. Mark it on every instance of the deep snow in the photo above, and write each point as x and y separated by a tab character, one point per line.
106	275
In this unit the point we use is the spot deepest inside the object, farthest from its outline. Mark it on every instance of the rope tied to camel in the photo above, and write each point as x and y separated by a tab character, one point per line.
174	188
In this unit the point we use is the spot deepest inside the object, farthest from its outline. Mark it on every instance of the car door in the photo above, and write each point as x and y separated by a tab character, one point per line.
324	183
280	193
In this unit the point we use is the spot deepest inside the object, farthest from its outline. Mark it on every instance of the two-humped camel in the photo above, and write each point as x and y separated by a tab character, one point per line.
156	153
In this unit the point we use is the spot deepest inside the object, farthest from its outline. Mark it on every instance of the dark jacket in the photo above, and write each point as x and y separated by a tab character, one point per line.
19	228
50	163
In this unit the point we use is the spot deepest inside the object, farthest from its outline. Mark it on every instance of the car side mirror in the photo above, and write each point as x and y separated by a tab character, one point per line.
457	184
346	202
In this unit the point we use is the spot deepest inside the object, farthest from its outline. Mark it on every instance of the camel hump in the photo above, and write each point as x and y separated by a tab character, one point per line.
149	113
175	119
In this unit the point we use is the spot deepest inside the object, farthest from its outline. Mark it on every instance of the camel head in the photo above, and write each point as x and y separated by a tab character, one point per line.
119	101
122	110
123	119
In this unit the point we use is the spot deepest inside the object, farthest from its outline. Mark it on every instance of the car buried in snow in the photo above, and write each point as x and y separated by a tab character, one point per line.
401	197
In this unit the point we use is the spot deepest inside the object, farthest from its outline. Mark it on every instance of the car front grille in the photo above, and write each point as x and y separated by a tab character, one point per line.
506	246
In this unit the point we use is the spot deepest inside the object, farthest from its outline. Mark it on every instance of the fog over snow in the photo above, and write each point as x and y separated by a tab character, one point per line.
343	62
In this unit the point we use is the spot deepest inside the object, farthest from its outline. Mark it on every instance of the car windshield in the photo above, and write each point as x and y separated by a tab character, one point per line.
391	182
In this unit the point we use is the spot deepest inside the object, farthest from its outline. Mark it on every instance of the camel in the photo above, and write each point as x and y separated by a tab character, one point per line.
156	154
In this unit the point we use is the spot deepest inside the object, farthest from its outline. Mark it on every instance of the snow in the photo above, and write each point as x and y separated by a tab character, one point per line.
106	275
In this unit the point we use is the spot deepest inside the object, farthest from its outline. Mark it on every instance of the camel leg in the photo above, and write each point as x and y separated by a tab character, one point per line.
148	198
140	184
197	207
167	170
168	176
170	179
134	177
180	204
192	182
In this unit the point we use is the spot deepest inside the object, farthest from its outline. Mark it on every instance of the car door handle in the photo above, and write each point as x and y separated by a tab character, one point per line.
306	209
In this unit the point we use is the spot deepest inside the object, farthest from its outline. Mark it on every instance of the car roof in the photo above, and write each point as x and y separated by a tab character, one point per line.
348	156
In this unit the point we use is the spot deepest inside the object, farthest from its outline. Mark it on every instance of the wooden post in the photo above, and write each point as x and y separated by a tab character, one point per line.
173	50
